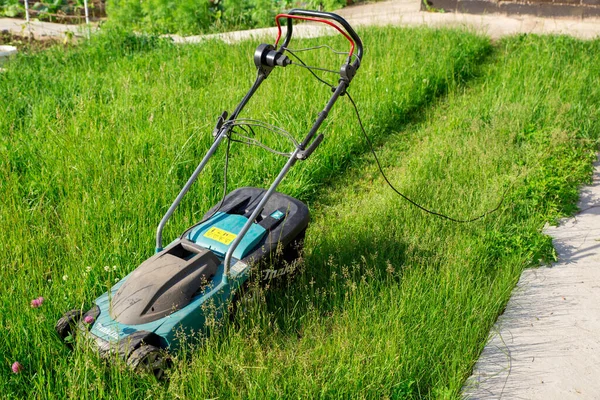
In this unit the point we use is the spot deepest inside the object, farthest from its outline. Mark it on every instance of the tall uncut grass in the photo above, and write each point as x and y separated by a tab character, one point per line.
97	140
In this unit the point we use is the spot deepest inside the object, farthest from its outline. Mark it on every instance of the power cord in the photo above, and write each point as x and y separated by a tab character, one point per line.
248	123
414	203
372	149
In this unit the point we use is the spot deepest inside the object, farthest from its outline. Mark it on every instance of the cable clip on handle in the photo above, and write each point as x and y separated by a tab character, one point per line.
220	121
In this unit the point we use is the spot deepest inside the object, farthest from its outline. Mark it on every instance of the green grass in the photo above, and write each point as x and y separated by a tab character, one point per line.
97	140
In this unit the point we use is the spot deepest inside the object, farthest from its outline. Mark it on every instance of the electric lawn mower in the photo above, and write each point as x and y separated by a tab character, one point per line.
211	261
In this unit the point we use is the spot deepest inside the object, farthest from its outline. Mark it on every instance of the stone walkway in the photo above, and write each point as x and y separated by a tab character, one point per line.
407	13
41	30
546	345
393	12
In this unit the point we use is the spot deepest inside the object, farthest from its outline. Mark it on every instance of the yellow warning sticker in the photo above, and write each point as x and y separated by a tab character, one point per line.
220	235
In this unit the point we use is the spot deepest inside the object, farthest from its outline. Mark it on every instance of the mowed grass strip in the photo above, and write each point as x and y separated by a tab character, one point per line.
97	140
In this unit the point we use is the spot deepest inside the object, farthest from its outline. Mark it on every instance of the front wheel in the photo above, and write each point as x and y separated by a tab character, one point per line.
67	325
149	359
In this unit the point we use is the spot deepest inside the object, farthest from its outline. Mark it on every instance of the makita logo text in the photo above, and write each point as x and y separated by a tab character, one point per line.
268	274
107	331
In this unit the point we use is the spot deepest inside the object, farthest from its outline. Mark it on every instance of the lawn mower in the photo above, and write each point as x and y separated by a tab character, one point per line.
250	228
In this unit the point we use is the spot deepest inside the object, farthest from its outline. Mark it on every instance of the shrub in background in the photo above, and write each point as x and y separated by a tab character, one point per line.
202	16
10	8
52	10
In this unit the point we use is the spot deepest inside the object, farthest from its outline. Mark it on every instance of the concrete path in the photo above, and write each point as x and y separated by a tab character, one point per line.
41	30
546	345
406	13
393	12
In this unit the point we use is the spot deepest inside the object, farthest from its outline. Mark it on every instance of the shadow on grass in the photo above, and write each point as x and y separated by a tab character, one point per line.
334	270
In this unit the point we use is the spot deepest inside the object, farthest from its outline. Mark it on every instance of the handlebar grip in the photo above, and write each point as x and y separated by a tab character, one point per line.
311	15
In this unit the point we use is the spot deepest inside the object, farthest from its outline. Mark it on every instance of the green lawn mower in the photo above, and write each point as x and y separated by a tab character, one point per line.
250	228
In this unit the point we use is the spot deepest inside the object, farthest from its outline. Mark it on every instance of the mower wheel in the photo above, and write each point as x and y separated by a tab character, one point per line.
67	325
294	250
149	359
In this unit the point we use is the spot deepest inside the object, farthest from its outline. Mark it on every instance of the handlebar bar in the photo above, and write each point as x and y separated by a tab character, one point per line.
323	17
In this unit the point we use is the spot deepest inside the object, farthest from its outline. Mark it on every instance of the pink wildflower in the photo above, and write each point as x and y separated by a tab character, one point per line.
35	303
17	367
89	319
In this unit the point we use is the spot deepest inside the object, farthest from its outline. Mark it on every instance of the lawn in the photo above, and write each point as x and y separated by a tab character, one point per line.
96	141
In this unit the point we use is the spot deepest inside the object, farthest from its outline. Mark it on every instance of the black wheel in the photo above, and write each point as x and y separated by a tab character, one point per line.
286	267
149	359
294	250
66	326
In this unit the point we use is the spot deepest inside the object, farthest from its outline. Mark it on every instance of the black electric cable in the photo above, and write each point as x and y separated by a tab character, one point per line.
302	63
309	67
251	141
368	140
406	197
324	46
247	122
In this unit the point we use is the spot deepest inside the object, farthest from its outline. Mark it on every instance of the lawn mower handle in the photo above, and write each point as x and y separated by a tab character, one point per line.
266	58
318	16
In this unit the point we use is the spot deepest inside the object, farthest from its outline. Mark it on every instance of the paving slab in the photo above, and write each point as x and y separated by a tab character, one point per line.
305	31
407	13
391	12
42	30
546	344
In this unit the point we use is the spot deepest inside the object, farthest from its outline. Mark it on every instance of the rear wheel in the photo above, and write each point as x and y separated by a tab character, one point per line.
294	250
286	267
66	326
149	359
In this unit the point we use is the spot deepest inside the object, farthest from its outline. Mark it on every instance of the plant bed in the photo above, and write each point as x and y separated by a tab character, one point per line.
60	11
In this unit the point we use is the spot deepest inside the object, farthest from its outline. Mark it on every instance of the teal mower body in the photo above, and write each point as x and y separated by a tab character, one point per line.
252	233
173	293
